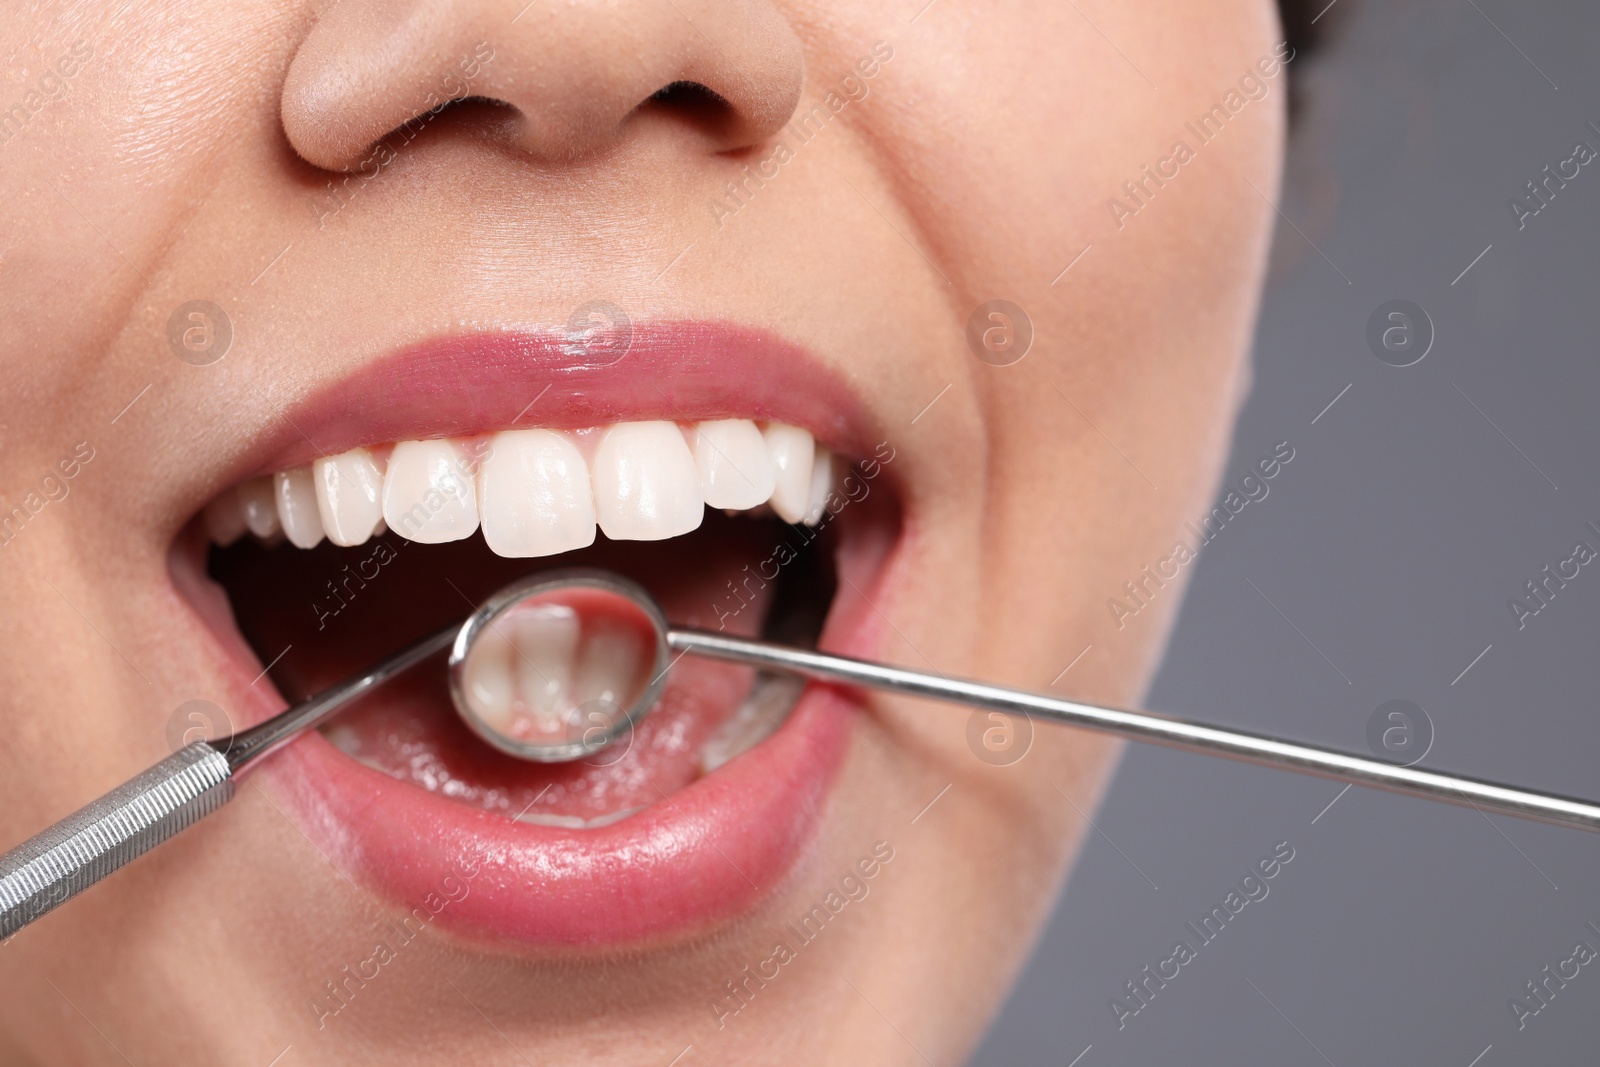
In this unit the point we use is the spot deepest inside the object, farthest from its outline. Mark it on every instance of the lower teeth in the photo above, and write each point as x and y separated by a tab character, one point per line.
794	615
771	699
573	822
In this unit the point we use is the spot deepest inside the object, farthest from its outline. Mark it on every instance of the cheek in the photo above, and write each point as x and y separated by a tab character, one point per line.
141	141
1111	307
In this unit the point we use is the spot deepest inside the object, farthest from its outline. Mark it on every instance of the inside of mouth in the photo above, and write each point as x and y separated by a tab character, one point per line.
558	671
320	615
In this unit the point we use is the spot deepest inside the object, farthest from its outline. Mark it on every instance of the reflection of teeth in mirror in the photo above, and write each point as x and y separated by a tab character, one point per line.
545	642
608	669
489	680
541	492
542	674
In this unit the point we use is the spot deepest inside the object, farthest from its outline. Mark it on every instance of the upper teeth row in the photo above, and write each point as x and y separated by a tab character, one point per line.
536	492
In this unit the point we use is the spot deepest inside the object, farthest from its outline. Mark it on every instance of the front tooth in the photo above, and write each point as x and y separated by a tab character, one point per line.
575	822
297	507
735	468
821	486
427	492
792	450
646	487
488	680
348	488
606	676
546	644
224	519
534	495
260	509
545	818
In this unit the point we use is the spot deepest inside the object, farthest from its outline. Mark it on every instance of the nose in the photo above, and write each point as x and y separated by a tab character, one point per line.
572	75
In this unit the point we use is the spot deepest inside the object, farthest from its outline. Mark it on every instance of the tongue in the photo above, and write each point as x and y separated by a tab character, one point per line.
410	729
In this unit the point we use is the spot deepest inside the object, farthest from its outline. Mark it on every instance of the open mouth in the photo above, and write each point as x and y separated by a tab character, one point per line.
733	520
314	562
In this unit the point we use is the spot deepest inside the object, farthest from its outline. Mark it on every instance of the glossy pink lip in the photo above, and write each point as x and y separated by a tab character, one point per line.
482	382
697	857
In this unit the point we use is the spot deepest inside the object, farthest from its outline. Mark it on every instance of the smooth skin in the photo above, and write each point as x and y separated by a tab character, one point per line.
189	156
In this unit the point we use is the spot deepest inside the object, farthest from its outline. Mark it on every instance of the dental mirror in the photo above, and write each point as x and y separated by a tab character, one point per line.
559	666
556	667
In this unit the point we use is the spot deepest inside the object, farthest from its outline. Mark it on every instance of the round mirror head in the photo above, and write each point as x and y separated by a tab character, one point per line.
557	666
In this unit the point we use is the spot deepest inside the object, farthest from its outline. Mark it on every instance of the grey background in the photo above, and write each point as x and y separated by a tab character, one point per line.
1392	543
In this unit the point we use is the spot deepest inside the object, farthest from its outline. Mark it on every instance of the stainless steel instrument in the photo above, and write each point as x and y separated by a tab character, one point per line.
62	861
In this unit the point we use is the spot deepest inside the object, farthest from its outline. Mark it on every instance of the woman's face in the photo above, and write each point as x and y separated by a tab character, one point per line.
244	237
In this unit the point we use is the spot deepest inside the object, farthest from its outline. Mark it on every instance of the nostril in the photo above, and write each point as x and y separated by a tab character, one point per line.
569	76
485	112
696	105
689	96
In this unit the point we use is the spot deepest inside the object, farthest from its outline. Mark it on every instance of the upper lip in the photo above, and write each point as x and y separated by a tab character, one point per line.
709	851
476	382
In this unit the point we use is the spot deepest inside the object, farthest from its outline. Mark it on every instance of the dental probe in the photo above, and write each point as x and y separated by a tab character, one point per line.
72	855
1148	726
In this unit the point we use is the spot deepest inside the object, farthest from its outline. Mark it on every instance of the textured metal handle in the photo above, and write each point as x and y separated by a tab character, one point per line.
127	822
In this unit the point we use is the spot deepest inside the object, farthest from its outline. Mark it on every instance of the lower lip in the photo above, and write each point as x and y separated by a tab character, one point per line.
695	858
